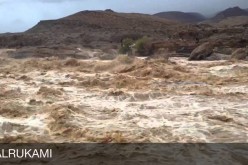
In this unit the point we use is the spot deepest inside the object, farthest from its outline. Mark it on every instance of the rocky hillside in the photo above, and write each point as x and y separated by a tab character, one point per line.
105	31
234	21
92	29
230	12
101	20
181	16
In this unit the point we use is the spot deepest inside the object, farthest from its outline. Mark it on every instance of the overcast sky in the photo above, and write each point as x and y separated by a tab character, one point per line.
20	15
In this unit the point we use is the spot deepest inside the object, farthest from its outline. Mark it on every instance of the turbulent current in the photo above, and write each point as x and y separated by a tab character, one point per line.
63	104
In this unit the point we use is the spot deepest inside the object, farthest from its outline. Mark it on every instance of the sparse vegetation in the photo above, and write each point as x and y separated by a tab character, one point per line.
126	46
142	47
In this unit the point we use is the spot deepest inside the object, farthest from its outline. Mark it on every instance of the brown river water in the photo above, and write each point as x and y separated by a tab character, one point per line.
100	101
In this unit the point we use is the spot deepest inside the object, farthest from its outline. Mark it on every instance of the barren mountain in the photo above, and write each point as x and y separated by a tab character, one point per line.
230	12
89	29
99	27
105	30
101	20
181	16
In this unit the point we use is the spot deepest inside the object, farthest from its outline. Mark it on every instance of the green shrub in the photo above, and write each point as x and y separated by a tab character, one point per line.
141	46
125	46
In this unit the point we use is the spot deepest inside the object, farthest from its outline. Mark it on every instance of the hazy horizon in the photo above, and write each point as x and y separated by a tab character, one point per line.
18	16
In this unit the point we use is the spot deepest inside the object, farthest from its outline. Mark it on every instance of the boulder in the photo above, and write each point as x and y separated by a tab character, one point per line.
202	52
240	54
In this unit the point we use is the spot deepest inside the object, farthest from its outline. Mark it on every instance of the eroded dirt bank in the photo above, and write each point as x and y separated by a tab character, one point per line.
123	100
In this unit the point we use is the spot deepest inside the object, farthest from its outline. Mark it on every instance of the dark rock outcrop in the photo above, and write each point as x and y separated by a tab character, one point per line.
240	54
202	52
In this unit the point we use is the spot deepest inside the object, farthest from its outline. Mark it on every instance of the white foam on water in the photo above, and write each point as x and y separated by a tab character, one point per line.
184	116
226	70
188	119
34	124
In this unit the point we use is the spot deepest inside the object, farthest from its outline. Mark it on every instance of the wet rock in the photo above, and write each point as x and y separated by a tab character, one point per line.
240	54
68	76
221	118
115	93
24	78
202	52
49	102
35	102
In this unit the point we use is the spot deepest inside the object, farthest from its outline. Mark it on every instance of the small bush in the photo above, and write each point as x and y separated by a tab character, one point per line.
141	46
126	46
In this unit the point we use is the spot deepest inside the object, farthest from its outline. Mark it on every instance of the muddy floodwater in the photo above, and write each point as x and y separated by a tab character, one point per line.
123	100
